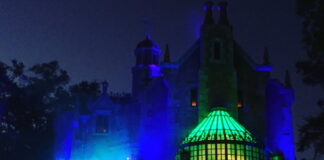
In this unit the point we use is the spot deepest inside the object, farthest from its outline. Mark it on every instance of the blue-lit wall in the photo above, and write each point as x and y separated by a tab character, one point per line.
76	138
64	126
102	149
280	137
154	133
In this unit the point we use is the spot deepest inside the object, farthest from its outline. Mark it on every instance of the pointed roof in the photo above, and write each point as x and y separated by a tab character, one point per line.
167	57
209	7
222	7
242	55
194	49
219	125
266	58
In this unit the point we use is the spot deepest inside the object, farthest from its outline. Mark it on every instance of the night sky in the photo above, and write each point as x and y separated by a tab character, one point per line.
95	39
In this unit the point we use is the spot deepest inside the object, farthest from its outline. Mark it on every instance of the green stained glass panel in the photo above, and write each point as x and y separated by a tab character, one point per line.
219	125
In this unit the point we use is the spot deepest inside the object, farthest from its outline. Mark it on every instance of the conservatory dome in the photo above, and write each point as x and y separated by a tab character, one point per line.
220	137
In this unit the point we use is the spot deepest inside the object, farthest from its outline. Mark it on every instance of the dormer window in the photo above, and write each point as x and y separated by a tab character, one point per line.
102	124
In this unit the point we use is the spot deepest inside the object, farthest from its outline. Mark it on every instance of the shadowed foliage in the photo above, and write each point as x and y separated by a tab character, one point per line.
311	135
30	98
312	70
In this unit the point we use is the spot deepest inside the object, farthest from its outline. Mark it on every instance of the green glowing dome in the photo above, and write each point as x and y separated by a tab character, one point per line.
219	126
220	137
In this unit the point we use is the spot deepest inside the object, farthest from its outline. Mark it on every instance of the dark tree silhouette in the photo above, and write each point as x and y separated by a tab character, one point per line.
312	69
311	135
312	12
28	99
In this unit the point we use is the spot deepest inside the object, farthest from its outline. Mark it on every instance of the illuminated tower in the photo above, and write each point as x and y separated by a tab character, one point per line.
280	136
218	85
147	67
151	91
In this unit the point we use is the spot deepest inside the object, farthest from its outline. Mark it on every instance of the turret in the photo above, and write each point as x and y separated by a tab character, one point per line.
167	57
147	67
218	85
222	8
280	133
147	52
209	7
152	93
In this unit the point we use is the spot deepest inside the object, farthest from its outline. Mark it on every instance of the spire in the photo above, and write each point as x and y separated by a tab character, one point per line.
222	8
209	7
287	80
167	58
266	60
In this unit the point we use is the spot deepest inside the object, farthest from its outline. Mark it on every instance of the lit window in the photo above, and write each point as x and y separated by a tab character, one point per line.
102	124
193	97
240	99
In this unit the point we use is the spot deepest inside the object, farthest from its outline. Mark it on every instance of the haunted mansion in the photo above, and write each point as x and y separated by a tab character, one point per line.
213	103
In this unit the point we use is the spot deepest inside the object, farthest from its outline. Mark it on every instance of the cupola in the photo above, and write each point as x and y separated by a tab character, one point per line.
147	52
